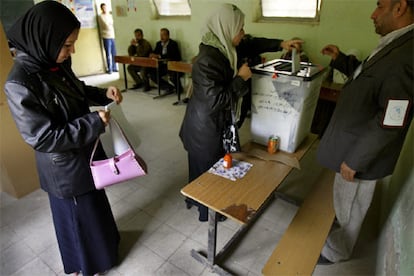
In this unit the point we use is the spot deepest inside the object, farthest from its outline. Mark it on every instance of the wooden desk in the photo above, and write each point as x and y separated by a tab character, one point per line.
241	200
179	67
141	61
328	96
330	91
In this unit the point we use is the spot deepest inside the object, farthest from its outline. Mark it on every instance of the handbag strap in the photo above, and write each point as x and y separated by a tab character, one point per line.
123	136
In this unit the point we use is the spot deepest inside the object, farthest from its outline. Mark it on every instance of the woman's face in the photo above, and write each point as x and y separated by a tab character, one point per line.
238	38
68	47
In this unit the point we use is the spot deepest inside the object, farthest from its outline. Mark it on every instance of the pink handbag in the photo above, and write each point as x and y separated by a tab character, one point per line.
119	168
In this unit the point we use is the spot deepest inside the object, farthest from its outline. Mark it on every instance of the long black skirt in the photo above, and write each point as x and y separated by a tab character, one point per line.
86	232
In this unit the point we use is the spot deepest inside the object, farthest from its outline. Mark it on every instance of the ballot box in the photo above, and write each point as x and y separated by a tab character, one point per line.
284	99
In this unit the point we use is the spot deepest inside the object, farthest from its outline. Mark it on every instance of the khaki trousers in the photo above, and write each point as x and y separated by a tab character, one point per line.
351	203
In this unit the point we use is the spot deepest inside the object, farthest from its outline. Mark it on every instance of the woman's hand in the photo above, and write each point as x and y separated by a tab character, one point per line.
244	72
113	93
289	44
105	116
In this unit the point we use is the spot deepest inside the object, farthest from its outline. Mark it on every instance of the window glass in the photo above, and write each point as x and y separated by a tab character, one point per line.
173	7
290	8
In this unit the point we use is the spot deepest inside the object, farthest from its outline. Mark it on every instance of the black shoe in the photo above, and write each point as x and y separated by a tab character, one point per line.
185	100
323	261
136	86
188	203
220	218
146	89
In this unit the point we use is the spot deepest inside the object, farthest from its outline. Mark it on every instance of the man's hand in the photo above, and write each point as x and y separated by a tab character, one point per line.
347	173
330	50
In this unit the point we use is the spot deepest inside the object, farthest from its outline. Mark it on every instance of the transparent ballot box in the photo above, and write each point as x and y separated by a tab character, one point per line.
284	99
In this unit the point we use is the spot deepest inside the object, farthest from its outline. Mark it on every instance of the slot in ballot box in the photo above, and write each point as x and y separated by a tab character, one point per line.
284	101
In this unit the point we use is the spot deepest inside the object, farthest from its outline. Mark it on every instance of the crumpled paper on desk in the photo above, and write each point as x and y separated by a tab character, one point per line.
279	156
238	169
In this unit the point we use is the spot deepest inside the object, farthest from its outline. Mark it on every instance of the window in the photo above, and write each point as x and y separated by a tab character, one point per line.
291	9
173	7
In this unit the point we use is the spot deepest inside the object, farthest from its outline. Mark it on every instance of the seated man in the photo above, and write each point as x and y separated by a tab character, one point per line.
166	49
139	47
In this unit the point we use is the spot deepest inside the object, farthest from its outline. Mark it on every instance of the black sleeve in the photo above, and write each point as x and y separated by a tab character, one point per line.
345	64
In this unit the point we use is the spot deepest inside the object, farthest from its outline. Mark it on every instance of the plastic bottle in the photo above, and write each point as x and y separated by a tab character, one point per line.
227	161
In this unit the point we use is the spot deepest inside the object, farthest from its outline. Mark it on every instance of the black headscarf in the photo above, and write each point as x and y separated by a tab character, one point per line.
42	31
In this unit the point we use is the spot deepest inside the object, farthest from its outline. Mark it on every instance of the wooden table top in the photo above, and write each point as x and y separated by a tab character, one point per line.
139	61
241	199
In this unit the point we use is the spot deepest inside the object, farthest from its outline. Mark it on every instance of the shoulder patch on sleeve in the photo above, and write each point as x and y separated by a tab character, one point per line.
396	113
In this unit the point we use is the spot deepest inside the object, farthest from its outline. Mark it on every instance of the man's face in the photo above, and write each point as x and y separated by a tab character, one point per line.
164	36
383	16
138	36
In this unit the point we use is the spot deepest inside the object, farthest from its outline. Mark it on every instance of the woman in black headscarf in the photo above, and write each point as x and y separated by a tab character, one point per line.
50	106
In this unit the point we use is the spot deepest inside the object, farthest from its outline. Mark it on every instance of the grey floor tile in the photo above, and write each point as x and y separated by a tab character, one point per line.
15	257
168	269
182	258
165	241
140	261
35	267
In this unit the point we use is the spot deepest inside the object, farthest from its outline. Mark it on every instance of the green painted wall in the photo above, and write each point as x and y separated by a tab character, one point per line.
396	241
345	23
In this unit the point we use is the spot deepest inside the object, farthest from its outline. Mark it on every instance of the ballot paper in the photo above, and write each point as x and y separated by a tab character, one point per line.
119	144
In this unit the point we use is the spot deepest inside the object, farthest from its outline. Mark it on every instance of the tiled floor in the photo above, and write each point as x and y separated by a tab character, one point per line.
157	231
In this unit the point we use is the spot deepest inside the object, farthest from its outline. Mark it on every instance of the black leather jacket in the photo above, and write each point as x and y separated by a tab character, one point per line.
208	110
51	111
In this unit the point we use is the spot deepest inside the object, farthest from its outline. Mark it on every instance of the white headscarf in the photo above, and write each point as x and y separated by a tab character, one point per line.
222	26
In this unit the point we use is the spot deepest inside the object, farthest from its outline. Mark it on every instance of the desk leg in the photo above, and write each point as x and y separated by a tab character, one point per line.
210	260
168	92
179	101
212	236
125	78
158	82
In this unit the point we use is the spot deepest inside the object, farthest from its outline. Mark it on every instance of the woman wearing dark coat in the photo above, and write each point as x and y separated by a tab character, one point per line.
216	81
51	109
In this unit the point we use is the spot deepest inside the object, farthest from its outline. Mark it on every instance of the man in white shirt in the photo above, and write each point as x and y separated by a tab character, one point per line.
106	25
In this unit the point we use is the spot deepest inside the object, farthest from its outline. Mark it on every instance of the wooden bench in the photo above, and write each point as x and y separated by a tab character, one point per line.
298	251
180	67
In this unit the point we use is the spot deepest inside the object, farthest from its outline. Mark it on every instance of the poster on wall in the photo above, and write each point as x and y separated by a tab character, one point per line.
83	9
85	13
